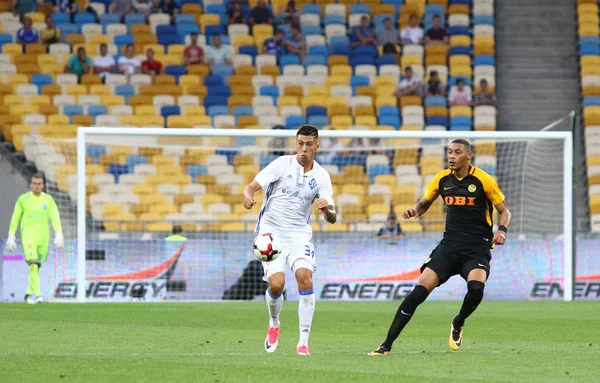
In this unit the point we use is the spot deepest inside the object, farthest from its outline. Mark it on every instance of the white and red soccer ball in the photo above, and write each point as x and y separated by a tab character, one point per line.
266	247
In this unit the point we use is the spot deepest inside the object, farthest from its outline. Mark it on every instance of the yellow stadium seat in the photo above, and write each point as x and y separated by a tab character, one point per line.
460	70
12	49
591	115
483	45
189	79
377	209
341	122
354	189
58	119
385	179
410	100
407	61
209	19
337	80
24	109
337	60
385	101
405	194
369	121
17	79
109	100
437	111
152	199
340	70
460	40
129	120
146	110
143	189
262	29
461	110
161	159
151	120
14	99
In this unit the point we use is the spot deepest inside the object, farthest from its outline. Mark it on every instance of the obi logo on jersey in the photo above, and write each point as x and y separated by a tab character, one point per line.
312	184
459	201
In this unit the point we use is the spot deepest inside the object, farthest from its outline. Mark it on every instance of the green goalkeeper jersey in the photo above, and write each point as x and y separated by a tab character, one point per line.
34	213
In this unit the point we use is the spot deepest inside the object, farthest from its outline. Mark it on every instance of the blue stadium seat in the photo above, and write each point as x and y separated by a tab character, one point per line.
72	110
214	100
269	90
292	122
223	70
370	50
589	40
388	111
460	123
361	59
125	90
40	80
97	110
250	50
376	170
84	18
170	110
315	60
359	81
167	40
117	170
107	19
318	121
196	170
483	20
316	111
390	120
289	59
134	159
175	70
308	30
183	18
484	60
435	101
266	160
318	50
458	30
243	110
230	153
385	60
379	19
105	2
212	30
437	121
217	110
341	161
589	49
95	150
460	50
212	80
334	19
134	18
67	29
61	18
360	8
120	40
219	90
186	29
591	101
311	9
462	2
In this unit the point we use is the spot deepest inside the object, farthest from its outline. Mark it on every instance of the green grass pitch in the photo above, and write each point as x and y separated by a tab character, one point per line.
223	342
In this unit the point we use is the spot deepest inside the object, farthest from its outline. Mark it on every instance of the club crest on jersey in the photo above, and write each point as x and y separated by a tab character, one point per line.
44	206
472	188
312	184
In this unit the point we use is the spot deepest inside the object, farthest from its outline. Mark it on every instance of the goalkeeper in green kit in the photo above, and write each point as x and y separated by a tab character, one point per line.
33	210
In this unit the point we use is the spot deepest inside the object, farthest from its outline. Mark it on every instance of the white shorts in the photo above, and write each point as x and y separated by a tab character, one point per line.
295	255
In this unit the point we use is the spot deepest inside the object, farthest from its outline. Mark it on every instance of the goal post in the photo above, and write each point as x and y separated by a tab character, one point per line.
528	157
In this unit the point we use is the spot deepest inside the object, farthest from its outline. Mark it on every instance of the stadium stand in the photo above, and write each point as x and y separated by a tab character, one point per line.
252	89
589	51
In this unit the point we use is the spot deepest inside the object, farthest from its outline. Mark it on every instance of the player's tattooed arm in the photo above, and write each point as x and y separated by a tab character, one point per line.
327	209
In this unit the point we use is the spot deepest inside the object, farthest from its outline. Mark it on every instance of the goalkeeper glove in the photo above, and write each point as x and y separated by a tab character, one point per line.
11	243
59	240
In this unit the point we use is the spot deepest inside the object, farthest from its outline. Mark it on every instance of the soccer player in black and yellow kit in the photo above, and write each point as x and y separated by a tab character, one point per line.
470	195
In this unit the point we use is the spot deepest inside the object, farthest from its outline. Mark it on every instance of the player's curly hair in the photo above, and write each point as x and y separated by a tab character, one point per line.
308	130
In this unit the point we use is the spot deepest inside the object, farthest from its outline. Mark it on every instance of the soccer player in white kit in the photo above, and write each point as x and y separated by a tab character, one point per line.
292	184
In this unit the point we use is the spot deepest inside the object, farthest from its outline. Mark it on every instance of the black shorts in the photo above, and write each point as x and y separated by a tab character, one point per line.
448	259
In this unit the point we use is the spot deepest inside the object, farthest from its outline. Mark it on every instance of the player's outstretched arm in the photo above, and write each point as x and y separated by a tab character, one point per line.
505	218
249	191
327	209
11	243
418	210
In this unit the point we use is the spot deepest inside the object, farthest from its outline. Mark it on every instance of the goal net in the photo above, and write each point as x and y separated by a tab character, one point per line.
123	191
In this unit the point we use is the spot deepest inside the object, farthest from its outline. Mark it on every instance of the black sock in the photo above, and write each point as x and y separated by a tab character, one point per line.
472	300
405	311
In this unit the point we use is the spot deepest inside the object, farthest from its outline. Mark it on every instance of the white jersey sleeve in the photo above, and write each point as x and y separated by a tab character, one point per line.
326	190
271	173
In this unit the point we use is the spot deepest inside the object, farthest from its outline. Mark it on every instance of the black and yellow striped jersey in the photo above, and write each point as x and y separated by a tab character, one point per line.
469	204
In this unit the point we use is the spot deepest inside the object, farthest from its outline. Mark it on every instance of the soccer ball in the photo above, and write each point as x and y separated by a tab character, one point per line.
266	247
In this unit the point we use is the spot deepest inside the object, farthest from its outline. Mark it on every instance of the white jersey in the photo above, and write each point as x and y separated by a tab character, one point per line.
289	196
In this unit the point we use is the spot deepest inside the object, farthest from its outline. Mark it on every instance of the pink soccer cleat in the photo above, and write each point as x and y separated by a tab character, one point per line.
272	339
302	350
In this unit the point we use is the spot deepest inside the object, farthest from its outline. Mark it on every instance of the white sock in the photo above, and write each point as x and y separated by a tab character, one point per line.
274	304
306	309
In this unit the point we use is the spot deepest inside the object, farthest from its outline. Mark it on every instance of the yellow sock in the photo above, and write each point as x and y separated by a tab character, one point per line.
34	278
31	273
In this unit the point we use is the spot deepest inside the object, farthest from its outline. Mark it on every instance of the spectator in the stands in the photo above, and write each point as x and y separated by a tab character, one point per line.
278	144
364	35
376	146
168	7
218	53
67	7
193	53
143	7
50	34
484	96
79	64
27	34
328	149
461	94
261	14
121	7
295	44
410	85
289	14
129	64
151	66
105	63
235	14
357	146
274	45
436	34
434	86
391	228
22	7
412	34
389	37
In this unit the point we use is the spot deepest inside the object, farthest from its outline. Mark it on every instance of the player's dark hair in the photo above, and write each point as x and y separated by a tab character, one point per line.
37	175
177	229
463	142
308	130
